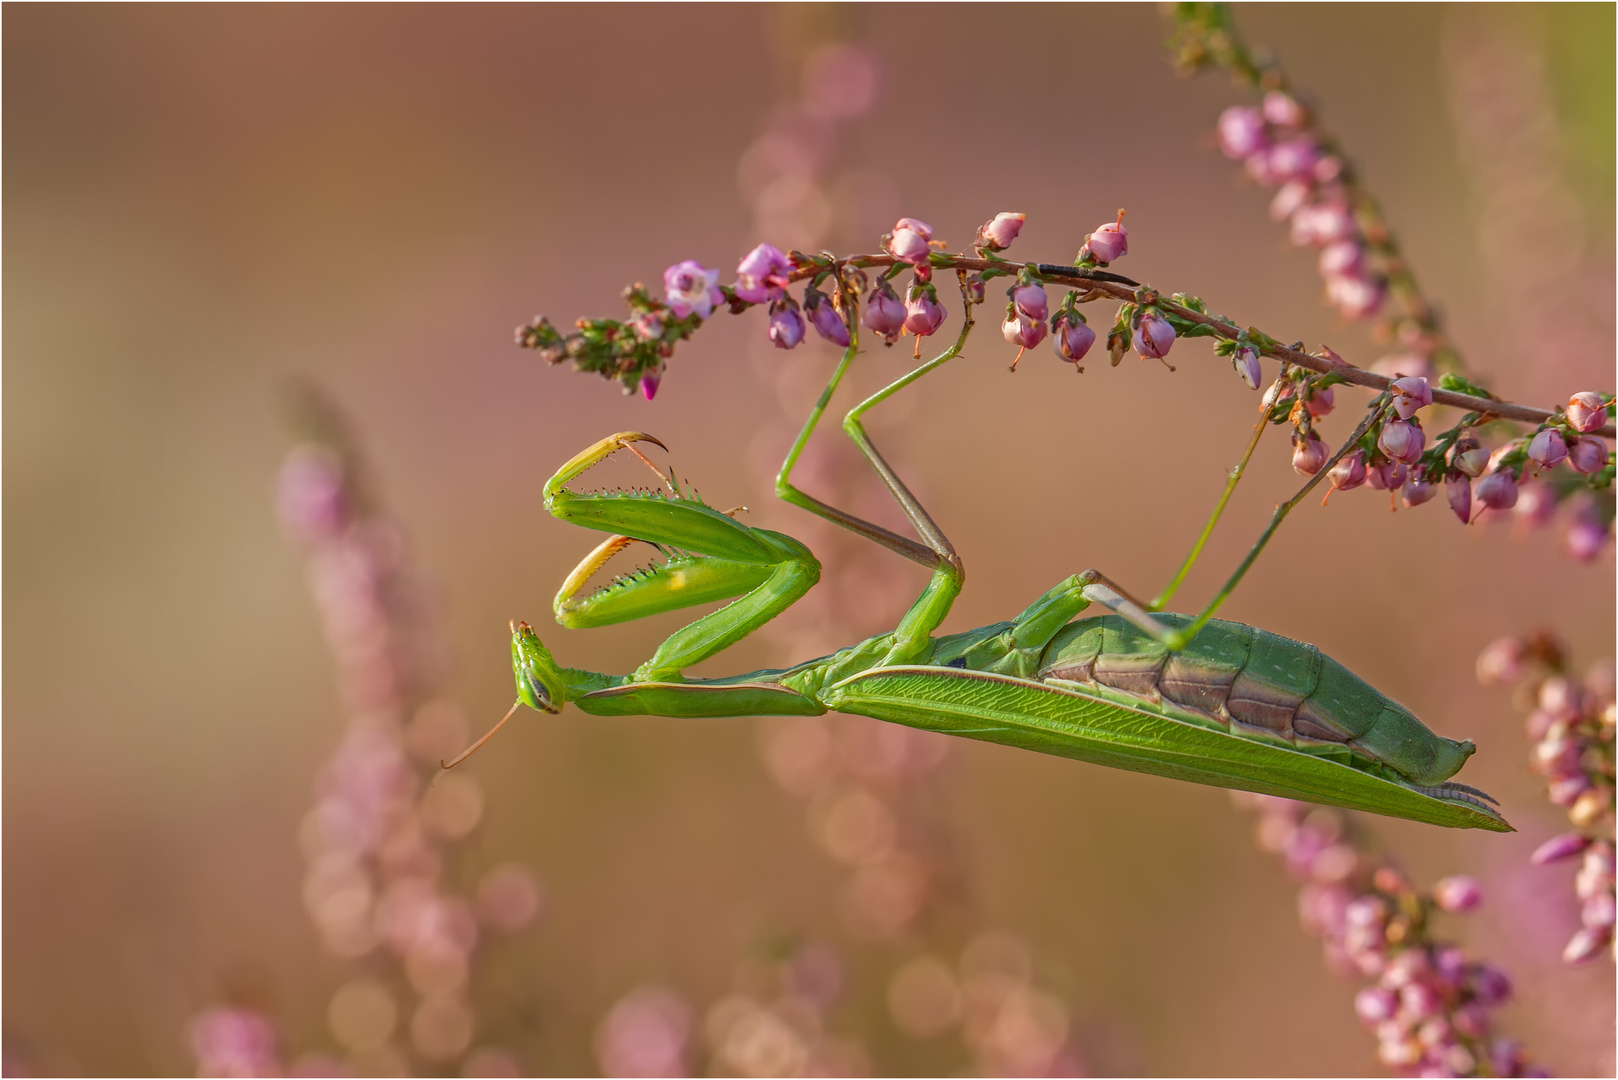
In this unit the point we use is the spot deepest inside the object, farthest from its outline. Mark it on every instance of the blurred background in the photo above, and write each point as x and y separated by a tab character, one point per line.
206	206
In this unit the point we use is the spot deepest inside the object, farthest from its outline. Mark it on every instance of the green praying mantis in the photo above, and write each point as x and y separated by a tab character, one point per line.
1190	698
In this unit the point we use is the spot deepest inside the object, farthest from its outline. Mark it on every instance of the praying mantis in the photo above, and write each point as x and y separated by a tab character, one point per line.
1190	698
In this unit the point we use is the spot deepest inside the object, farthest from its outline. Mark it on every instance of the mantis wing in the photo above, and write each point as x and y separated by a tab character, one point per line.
1071	723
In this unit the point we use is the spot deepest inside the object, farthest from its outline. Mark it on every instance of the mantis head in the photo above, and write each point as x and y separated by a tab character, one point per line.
539	682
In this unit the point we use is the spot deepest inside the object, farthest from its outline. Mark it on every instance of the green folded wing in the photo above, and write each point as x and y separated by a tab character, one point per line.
1071	723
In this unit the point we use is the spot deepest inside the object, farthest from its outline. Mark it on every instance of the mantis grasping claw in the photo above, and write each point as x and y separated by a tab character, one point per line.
1211	702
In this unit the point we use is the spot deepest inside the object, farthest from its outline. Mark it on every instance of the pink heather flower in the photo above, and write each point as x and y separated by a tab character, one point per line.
1418	489
690	287
923	314
998	233
649	383
1031	300
1242	132
909	241
1546	449
1459	893
1387	475
1316	226
1536	504
1019	329
1585	411
313	497
1289	199
1321	403
1501	662
1111	241
885	313
976	287
1294	157
1587	455
1468	456
1586	537
1375	1005
1586	945
1154	337
824	318
1349	472
1356	297
1498	491
1342	258
1282	110
1245	361
1410	394
1072	338
1402	441
786	325
764	261
1309	454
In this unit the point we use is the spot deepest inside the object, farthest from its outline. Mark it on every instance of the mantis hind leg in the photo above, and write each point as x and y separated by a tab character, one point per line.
912	638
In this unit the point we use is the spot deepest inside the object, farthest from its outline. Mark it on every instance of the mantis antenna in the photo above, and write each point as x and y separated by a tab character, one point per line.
470	750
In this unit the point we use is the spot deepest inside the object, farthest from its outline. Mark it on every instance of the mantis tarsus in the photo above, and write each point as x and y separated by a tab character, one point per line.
1211	702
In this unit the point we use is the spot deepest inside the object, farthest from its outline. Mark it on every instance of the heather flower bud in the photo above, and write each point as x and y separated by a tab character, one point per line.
1536	504
1282	110
649	383
1498	491
1245	361
885	313
1558	848
923	314
1356	296
976	288
1309	454
1587	455
823	316
1242	132
1586	537
1468	455
1020	330
1342	258
1410	394
1110	241
1375	1005
1289	200
1349	472
1546	449
647	326
786	324
1314	226
1402	441
1031	300
1586	945
1501	662
1321	402
1586	412
998	233
1073	337
755	271
1418	489
1294	157
908	243
1387	475
1459	893
1154	337
691	287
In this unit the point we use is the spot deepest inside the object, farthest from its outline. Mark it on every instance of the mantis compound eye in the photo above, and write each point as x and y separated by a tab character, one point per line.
539	683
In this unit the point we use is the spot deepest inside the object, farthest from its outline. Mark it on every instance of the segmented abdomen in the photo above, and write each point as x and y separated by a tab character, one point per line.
1257	685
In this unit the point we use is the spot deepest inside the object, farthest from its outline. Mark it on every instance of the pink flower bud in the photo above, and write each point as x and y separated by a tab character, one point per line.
1321	403
1459	490
690	287
923	314
976	287
1536	504
1242	132
885	313
1289	200
1498	491
909	241
1111	241
786	325
1154	337
1073	338
1546	449
1315	226
1559	848
1387	475
1356	297
1418	489
1501	662
1417	1000
1374	1005
1586	412
998	233
1309	454
1342	258
823	316
1410	394
1031	300
1565	790
1245	361
764	261
1468	456
1402	441
1587	455
1019	329
1458	893
1282	110
650	382
1600	911
1348	473
1294	157
1490	985
1585	946
1586	537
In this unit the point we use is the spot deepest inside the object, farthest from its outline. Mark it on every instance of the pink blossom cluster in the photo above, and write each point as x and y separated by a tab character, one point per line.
378	835
1570	724
1430	1005
1280	149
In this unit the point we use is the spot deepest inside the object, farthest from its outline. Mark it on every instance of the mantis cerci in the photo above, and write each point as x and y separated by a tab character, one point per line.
1211	702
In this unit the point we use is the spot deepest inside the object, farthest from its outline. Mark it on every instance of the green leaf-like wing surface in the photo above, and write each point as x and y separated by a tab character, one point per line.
1072	723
